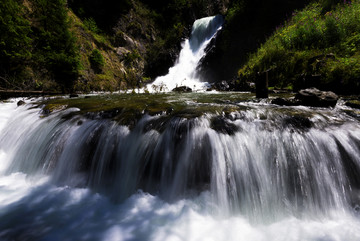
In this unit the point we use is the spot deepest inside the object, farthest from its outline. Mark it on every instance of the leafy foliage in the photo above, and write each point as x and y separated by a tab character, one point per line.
313	49
96	59
55	43
15	43
91	25
41	48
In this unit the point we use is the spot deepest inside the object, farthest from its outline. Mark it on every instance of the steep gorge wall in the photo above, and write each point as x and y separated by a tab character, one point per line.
248	24
146	35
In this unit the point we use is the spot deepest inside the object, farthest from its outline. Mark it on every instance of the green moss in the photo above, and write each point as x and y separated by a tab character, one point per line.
184	105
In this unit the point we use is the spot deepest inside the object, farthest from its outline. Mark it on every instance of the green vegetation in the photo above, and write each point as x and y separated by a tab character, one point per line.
96	59
36	45
15	45
55	44
91	25
92	45
318	46
248	24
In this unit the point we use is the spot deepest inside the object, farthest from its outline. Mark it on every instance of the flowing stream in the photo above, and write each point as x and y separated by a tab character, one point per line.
235	170
184	73
167	166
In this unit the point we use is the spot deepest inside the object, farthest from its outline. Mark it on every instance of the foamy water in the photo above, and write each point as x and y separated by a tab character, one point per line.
184	73
43	204
46	212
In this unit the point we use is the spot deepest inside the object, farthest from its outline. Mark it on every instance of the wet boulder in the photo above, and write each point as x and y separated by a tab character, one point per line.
317	98
222	125
221	86
21	102
226	85
182	89
285	102
298	123
73	95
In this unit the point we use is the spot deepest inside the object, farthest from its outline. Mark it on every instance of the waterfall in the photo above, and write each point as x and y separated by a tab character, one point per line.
184	73
258	173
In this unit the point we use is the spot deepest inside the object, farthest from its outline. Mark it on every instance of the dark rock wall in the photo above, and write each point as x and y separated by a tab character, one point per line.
242	34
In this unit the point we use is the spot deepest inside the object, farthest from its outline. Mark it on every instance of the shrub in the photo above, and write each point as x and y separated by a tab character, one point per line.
91	25
97	60
313	46
132	57
332	33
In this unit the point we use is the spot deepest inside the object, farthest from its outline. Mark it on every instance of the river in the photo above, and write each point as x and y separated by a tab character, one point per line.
198	166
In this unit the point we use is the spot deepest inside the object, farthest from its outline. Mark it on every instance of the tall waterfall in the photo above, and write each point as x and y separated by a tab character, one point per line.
255	173
184	73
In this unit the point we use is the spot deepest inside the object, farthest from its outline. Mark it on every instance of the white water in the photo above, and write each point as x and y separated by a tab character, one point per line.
267	181
184	73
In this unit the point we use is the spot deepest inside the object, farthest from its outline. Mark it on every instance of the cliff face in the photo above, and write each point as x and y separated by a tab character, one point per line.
145	35
248	24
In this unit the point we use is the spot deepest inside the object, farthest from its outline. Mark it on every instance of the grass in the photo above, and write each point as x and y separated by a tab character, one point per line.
313	48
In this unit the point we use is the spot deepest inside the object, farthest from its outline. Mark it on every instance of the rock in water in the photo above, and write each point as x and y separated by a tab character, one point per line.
21	102
317	98
182	89
220	124
285	102
73	95
298	123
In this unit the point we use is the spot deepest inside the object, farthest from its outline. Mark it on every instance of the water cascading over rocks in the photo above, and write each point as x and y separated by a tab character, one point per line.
256	162
194	166
184	72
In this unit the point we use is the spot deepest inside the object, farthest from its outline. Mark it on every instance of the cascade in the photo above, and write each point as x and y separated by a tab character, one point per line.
256	173
184	73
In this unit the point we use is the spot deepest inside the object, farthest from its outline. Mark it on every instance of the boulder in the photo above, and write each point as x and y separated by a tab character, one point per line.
298	123
222	86
21	102
73	95
222	125
228	85
317	98
285	102
182	89
121	51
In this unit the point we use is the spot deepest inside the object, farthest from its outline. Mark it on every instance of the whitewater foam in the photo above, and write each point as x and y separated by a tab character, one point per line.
184	73
267	181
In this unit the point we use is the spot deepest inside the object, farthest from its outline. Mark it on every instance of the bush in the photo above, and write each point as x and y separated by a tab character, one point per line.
131	58
314	49
91	25
332	33
97	60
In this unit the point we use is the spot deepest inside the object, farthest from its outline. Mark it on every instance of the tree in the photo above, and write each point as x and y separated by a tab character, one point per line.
56	45
15	43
